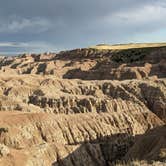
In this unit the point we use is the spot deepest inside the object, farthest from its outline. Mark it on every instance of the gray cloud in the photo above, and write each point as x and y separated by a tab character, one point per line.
20	47
16	24
76	23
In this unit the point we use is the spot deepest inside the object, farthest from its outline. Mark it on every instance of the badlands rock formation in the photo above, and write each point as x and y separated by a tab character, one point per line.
85	107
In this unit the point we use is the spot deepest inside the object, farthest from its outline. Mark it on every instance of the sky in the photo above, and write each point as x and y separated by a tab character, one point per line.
55	25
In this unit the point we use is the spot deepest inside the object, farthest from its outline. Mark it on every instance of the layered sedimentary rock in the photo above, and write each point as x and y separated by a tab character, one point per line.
83	107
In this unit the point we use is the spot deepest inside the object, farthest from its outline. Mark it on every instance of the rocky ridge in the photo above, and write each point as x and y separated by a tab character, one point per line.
91	64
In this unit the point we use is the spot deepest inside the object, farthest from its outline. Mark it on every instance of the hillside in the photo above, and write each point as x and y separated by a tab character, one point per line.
90	106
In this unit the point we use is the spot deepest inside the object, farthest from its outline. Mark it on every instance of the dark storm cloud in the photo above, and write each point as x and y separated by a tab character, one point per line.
75	23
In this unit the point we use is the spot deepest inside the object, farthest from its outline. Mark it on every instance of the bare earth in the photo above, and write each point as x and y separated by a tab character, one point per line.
84	107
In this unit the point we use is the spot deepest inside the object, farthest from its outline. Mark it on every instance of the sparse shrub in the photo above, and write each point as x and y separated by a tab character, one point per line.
129	56
38	92
3	130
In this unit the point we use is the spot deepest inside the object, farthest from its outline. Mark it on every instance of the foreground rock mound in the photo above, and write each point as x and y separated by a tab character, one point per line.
84	107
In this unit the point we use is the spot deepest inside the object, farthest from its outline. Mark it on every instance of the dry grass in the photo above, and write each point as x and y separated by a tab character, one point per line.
138	163
128	46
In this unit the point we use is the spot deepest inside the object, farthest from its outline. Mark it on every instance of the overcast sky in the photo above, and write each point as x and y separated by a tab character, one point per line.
53	25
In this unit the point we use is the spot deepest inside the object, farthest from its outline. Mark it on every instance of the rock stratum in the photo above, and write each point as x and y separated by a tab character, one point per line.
84	107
